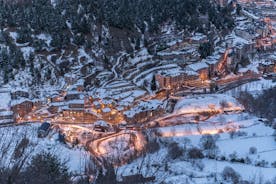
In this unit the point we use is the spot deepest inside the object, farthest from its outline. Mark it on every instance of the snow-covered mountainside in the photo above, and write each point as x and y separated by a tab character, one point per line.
137	91
42	41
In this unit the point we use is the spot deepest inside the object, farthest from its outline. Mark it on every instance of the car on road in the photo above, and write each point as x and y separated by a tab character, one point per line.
43	130
133	127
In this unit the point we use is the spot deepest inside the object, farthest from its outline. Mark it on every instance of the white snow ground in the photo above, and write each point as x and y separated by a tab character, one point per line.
180	171
75	158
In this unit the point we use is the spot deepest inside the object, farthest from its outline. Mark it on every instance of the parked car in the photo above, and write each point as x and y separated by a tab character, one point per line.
132	127
44	129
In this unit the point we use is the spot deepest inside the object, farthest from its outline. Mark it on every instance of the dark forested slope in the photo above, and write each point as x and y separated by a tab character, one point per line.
109	26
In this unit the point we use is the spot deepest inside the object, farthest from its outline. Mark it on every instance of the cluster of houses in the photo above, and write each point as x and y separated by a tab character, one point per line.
73	106
77	107
68	105
145	111
243	43
198	74
20	103
263	15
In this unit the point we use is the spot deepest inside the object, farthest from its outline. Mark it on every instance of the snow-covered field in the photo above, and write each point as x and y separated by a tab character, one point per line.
243	142
218	102
255	87
252	133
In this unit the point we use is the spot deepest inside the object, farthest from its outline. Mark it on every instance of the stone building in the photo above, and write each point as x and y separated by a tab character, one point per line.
145	111
201	68
75	111
21	108
78	115
174	81
73	95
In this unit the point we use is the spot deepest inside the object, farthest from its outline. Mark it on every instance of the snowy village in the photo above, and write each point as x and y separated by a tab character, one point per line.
181	107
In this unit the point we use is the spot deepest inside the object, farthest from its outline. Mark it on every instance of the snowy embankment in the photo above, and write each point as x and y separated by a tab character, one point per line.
11	137
141	55
255	87
242	142
214	125
251	166
206	103
203	114
5	99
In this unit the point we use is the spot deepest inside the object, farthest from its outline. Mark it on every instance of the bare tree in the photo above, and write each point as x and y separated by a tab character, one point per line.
229	174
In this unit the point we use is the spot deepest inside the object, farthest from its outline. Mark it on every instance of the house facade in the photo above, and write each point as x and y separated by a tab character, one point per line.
22	108
144	112
174	81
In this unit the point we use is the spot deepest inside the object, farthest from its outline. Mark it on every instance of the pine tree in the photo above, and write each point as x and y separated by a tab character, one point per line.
100	177
46	168
137	44
48	74
24	35
153	83
239	8
6	76
205	49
